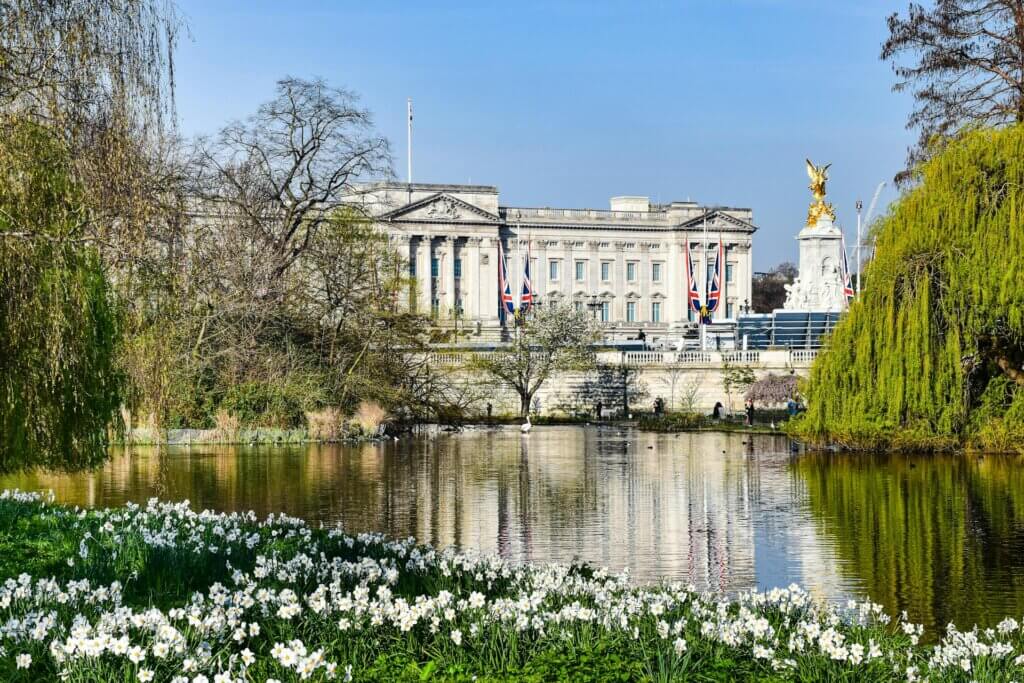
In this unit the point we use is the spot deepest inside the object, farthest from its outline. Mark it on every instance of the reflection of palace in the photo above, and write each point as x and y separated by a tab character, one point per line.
701	508
939	536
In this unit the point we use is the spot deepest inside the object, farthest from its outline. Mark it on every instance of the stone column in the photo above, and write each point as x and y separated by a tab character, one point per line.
471	278
618	311
568	272
643	304
447	277
423	289
488	282
675	283
540	273
400	242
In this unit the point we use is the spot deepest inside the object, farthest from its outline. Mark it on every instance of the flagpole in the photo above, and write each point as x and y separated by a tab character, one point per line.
519	259
720	272
704	279
408	146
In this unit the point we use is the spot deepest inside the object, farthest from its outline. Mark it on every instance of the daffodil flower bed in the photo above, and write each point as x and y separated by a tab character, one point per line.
163	593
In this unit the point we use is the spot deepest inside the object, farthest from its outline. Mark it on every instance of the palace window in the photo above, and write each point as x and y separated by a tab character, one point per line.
458	267
655	272
631	271
630	311
728	309
606	311
435	267
553	270
656	311
606	271
412	267
729	268
581	271
577	306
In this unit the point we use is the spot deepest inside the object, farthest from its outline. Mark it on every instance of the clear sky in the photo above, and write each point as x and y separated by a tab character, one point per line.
568	103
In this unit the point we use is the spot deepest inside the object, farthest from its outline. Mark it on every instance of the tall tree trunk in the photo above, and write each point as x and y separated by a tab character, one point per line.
524	404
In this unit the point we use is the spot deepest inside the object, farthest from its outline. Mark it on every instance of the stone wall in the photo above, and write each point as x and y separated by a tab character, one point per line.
689	380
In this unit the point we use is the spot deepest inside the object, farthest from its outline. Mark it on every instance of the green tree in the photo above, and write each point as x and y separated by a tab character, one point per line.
553	338
736	379
58	326
931	353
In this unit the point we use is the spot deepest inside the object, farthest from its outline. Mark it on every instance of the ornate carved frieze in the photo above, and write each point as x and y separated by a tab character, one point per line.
445	207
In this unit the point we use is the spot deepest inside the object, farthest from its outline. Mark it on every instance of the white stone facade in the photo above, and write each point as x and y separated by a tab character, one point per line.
819	286
625	264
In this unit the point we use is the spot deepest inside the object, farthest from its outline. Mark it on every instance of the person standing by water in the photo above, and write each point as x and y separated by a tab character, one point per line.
749	407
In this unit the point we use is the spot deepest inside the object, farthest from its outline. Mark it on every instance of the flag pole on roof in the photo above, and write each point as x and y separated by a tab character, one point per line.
408	171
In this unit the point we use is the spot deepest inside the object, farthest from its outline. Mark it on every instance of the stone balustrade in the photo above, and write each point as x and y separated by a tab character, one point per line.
766	358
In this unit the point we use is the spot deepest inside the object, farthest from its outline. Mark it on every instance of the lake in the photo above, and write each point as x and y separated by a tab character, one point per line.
941	537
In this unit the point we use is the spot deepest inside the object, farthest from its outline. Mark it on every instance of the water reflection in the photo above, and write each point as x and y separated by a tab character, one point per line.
941	538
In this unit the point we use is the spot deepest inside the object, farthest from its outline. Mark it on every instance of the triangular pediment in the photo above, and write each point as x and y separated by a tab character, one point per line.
443	208
717	220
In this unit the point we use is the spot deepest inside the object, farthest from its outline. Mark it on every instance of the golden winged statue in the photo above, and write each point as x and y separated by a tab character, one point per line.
819	207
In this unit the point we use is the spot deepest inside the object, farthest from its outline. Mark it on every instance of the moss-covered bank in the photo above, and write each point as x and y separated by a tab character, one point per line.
930	356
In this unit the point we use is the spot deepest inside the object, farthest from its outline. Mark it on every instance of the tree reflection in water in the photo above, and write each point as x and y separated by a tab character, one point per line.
939	536
942	537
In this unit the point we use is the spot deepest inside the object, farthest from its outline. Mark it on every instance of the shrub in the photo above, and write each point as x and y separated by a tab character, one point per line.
265	404
672	422
327	424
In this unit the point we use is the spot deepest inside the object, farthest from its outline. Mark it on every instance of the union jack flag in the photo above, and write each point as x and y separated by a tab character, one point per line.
507	304
692	295
715	286
526	295
847	286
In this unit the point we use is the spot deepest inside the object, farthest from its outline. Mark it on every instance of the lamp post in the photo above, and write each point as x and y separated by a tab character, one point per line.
860	205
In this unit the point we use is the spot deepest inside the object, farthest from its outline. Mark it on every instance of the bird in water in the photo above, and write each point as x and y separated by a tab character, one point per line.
526	426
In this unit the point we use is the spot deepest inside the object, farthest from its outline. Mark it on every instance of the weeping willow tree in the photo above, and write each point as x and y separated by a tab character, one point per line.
59	385
931	354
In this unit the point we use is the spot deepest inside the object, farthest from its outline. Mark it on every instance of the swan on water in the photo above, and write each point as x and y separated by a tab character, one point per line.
526	426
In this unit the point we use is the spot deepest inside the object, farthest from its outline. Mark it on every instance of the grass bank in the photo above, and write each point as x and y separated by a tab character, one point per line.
162	593
765	422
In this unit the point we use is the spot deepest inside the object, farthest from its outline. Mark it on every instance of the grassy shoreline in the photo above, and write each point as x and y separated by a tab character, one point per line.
164	593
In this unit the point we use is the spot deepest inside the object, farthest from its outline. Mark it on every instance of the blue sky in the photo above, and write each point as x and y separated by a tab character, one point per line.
569	103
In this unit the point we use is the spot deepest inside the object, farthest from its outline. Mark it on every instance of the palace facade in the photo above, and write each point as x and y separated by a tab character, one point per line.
626	264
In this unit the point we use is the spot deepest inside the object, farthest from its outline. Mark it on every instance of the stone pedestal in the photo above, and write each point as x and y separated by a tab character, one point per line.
819	286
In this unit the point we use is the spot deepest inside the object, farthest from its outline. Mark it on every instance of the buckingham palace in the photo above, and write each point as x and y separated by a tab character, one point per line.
626	263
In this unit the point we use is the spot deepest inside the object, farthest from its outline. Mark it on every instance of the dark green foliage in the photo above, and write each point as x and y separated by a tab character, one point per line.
673	422
267	404
930	356
58	324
